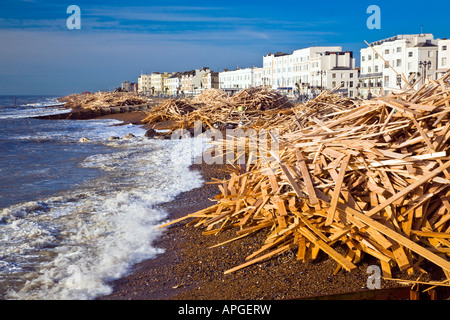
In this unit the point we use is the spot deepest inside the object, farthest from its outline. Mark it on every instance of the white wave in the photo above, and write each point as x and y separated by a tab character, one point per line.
94	234
42	107
98	130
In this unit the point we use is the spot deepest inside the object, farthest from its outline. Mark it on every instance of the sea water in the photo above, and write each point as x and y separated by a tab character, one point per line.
76	216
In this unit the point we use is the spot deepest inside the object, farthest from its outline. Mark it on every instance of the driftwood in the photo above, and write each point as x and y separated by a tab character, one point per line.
215	108
369	176
101	99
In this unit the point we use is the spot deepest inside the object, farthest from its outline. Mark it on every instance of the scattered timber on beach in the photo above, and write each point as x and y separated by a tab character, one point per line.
216	108
351	178
99	100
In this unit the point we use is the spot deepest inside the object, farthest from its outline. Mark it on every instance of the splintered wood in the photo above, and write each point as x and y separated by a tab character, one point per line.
216	108
367	177
100	100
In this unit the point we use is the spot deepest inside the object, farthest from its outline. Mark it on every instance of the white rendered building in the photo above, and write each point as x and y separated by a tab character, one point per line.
307	71
443	57
145	84
413	57
239	79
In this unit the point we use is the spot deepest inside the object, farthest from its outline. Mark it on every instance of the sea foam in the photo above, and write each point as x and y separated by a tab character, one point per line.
72	245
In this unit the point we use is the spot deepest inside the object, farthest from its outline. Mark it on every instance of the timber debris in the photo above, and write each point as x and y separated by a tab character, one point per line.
351	178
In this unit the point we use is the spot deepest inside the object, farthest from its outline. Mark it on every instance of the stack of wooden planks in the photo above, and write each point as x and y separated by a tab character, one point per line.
369	177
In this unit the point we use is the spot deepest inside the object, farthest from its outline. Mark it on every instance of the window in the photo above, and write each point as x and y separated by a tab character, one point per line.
369	69
351	84
386	51
376	56
386	66
410	54
351	75
444	48
399	49
444	61
376	68
333	75
369	57
399	62
430	54
333	84
363	58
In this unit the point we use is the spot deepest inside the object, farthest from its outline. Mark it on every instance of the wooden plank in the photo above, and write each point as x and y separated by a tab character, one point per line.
337	191
307	180
408	189
266	256
346	264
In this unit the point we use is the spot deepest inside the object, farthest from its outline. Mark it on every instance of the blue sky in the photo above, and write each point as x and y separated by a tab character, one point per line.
120	39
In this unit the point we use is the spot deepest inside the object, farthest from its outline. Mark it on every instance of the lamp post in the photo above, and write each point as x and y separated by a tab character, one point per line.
425	65
321	73
399	81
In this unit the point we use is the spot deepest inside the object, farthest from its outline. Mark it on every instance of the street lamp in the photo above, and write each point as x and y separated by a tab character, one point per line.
399	81
425	65
321	73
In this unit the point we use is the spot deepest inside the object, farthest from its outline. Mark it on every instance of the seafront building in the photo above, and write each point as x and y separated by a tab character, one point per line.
443	57
144	84
414	57
306	72
192	81
210	80
173	84
239	79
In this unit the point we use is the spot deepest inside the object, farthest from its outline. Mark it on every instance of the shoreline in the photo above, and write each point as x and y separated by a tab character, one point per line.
190	270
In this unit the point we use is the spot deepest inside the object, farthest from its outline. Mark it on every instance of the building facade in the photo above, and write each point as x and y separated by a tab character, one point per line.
443	57
173	84
240	79
387	63
210	80
307	71
145	84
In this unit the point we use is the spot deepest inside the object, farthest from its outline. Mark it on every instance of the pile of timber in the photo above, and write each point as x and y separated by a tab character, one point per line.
216	108
260	99
172	109
303	114
212	97
369	178
98	100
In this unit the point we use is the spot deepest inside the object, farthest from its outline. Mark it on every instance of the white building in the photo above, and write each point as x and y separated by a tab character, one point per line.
412	56
239	79
173	84
145	84
443	57
307	71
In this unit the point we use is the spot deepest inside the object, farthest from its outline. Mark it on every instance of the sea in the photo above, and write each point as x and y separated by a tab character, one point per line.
74	216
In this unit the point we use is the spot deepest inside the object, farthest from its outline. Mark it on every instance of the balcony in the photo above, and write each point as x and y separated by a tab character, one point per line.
372	85
371	75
